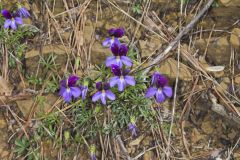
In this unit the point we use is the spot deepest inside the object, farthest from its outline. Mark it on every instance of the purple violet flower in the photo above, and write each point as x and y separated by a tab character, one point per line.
155	77
69	89
119	56
22	11
93	157
84	90
121	78
103	93
92	152
115	33
11	20
160	90
108	42
132	127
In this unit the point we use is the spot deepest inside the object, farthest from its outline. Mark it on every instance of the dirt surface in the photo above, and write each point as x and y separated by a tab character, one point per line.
203	119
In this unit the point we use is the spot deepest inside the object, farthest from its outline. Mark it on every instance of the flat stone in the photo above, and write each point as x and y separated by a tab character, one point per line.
5	87
149	155
33	57
235	38
4	154
218	52
237	80
169	68
26	105
230	3
207	127
149	46
137	141
196	136
99	53
3	123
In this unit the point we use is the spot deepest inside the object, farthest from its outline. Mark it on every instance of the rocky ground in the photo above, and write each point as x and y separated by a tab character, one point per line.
207	76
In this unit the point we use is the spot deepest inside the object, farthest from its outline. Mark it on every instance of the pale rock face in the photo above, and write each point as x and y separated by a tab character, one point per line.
235	38
230	3
218	50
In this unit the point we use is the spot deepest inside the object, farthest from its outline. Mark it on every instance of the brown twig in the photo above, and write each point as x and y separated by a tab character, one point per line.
172	45
19	123
182	124
124	150
187	105
185	111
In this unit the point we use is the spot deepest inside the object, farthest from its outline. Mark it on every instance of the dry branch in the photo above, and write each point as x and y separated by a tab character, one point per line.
172	45
124	150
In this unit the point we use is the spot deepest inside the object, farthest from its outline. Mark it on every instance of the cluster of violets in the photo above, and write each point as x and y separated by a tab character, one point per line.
69	88
119	64
15	18
159	88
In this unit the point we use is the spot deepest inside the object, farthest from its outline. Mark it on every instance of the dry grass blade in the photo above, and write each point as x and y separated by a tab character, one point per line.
124	150
78	40
138	22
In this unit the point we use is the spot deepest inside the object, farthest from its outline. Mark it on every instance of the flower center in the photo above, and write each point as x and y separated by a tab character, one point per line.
112	40
121	78
103	93
68	90
12	19
160	89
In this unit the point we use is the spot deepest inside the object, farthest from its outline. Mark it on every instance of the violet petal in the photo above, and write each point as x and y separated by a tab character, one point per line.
96	96
123	50
107	42
111	31
62	90
116	70
63	83
67	96
110	95
162	81
121	84
6	14
127	61
151	92
99	86
160	96
115	49
130	80
13	24
106	86
72	80
76	92
18	20
103	98
113	81
84	92
155	77
7	23
119	32
23	12
167	91
110	60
